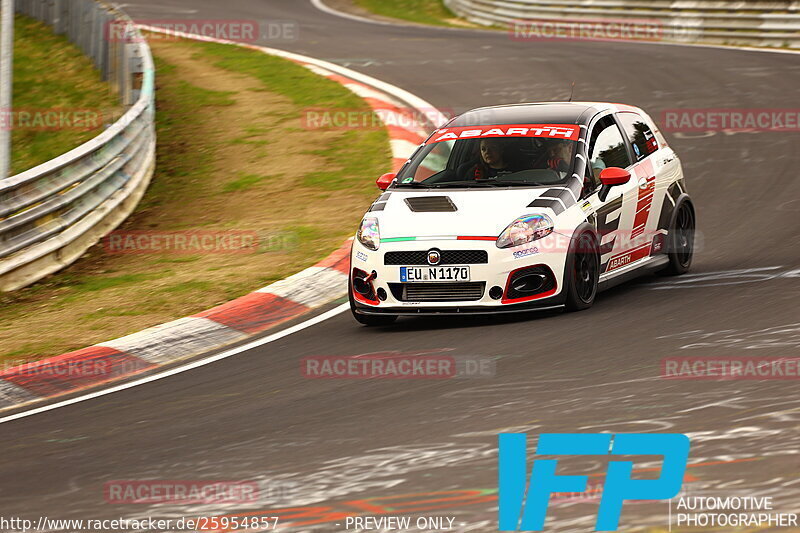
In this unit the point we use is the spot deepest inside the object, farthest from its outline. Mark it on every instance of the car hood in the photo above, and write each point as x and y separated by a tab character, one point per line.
472	213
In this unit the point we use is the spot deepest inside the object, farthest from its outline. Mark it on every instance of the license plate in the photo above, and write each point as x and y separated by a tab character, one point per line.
443	273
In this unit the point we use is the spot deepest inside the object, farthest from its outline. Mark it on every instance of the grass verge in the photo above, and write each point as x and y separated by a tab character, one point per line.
52	75
232	156
419	11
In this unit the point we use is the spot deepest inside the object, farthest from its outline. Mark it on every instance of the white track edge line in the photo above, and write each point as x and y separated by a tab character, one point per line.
195	364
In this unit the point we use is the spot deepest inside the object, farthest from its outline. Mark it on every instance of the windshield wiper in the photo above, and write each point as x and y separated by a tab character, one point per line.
445	185
418	184
460	185
514	184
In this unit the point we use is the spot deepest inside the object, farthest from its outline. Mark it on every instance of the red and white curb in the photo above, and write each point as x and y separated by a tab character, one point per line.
244	317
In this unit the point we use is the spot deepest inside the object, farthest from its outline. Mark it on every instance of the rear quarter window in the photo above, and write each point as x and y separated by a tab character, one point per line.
639	133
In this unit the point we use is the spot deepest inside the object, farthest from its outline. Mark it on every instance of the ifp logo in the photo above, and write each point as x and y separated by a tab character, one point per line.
525	508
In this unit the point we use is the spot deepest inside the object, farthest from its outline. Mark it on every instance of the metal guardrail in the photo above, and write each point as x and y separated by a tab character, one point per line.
51	214
751	23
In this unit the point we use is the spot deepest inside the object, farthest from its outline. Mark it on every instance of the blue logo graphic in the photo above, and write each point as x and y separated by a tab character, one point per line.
521	513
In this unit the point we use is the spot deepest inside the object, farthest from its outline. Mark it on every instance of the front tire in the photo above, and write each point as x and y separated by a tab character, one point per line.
582	274
681	241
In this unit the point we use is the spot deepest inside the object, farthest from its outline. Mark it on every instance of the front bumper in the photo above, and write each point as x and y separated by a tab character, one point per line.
545	304
496	272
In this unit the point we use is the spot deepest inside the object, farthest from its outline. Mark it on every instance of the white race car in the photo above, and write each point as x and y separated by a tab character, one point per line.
529	206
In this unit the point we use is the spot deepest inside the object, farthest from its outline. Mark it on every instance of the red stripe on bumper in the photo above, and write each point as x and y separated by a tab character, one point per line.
462	238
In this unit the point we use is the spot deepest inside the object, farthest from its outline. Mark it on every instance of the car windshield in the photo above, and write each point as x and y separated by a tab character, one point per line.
493	156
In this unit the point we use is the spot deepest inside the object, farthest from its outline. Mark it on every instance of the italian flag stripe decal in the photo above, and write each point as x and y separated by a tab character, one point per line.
440	238
399	239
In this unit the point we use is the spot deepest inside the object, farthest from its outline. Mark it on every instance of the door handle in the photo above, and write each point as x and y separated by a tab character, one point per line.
667	160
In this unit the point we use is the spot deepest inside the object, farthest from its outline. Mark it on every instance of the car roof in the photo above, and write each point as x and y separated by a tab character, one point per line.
534	113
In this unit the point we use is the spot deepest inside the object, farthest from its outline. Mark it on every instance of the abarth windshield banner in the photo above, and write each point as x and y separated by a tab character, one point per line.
549	131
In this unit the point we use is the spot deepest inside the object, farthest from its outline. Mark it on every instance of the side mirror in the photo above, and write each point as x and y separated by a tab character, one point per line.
384	181
610	177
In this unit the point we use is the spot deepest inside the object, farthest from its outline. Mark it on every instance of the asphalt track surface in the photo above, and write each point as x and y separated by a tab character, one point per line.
254	417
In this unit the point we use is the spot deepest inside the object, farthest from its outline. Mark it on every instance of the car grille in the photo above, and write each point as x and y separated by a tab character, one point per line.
438	292
449	257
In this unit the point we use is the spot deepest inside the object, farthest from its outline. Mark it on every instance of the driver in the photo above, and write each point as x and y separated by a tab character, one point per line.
493	161
558	155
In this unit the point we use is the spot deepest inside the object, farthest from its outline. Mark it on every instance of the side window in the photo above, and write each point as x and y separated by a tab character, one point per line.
607	147
434	162
639	135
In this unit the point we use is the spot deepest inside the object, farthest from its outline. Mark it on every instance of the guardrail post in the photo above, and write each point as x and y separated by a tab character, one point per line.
123	67
51	13
59	16
96	39
6	80
102	43
91	26
136	73
84	28
74	20
112	53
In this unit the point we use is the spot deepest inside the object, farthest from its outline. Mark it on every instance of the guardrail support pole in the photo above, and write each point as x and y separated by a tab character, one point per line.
6	80
136	72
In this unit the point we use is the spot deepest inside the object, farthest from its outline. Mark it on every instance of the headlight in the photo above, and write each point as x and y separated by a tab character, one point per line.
526	228
369	234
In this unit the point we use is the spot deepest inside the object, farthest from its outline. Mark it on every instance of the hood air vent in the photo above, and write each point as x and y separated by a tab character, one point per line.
431	204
